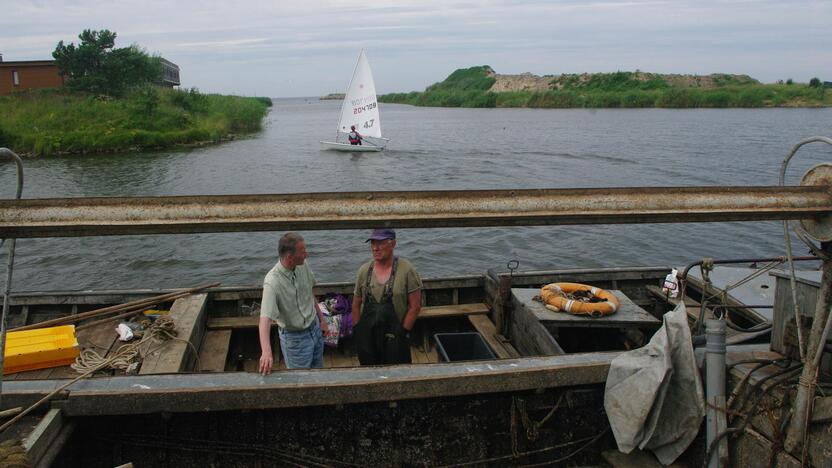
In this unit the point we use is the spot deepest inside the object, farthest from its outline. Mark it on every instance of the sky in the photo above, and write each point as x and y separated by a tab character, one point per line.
309	47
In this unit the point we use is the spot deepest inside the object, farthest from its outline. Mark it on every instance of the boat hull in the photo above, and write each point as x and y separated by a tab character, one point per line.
345	147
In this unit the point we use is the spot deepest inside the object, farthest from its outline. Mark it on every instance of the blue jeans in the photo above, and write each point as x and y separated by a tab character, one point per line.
303	349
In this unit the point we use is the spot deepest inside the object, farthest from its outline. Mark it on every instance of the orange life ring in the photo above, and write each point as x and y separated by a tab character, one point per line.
554	297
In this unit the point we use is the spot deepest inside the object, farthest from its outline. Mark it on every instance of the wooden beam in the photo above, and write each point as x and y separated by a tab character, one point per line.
188	314
233	323
457	310
183	393
488	330
45	441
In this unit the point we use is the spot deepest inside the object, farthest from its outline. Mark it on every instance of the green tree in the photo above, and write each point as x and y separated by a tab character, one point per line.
814	83
96	66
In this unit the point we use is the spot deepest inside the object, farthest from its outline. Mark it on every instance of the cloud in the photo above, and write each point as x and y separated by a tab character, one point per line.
313	44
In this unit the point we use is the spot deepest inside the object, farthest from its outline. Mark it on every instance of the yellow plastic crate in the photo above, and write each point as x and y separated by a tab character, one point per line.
40	348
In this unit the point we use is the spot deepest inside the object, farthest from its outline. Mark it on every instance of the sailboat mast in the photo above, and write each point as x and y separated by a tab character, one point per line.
344	101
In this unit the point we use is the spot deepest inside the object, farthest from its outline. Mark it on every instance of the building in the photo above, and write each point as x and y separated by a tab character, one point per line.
38	74
170	73
28	74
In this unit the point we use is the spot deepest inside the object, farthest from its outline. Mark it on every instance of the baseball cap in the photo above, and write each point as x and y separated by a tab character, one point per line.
381	234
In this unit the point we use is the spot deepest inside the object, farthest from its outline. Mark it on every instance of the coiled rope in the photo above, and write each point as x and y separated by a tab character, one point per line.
162	330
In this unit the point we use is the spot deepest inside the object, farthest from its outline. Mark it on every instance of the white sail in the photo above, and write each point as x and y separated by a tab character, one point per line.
360	107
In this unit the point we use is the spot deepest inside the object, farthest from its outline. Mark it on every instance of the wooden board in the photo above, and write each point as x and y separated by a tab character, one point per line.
173	356
630	314
233	323
214	350
454	310
486	328
198	392
529	336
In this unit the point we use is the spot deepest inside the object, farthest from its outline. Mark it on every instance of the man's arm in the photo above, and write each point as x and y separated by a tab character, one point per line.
356	309
320	314
266	357
414	306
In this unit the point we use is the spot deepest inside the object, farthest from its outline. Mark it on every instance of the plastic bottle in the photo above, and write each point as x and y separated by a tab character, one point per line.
670	287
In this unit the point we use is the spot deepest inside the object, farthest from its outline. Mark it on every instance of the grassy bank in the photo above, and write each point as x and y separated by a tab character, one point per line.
470	88
57	122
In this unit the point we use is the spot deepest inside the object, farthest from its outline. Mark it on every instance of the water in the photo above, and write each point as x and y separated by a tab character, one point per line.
431	149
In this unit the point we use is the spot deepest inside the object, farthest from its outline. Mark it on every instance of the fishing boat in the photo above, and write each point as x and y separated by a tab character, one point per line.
360	111
537	398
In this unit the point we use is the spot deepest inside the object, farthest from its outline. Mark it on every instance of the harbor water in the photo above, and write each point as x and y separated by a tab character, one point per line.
430	149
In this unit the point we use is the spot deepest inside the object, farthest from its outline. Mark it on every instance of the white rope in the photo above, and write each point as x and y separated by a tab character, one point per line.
163	329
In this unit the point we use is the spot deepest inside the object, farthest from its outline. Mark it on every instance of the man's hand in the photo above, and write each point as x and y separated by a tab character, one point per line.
266	362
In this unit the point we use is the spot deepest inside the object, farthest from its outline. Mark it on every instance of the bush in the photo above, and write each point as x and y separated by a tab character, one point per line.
715	98
677	98
814	83
467	79
51	123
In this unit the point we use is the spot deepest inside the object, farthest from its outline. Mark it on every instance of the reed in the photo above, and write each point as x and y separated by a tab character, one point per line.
47	122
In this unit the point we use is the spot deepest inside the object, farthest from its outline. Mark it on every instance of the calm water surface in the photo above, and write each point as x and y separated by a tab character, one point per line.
431	149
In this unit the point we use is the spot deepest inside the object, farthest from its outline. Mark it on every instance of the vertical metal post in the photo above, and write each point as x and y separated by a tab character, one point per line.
5	152
6	293
715	391
814	351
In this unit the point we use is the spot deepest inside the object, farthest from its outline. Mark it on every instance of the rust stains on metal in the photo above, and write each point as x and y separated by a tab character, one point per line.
357	210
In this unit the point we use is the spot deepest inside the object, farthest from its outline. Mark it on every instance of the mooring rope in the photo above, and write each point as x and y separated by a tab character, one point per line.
162	330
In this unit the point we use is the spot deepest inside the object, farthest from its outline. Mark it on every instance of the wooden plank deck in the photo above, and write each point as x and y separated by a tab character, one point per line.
213	353
630	314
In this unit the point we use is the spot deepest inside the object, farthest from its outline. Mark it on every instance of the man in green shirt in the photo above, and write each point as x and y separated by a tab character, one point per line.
288	301
386	301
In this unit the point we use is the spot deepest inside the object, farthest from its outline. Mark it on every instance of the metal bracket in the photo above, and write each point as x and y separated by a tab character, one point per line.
820	226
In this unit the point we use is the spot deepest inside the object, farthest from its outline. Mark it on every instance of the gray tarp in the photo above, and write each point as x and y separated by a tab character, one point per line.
654	397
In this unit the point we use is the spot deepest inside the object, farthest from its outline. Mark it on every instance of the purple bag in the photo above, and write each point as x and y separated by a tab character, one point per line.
342	304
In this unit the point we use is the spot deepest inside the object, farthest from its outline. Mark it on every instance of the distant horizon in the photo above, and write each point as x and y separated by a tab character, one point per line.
514	74
310	49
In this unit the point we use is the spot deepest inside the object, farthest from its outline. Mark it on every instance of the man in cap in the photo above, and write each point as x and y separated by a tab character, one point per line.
288	300
386	302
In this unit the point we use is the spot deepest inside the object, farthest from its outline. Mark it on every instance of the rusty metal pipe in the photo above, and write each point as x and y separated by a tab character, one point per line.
359	210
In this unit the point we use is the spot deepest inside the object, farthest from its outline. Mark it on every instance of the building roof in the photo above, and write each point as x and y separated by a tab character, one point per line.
21	63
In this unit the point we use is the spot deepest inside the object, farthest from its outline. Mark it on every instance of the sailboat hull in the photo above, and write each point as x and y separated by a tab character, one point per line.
333	146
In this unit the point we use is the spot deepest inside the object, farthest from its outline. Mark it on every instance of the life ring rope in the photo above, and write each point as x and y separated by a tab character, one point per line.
559	297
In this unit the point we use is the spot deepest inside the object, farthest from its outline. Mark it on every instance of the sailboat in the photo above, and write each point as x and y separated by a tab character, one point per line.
359	109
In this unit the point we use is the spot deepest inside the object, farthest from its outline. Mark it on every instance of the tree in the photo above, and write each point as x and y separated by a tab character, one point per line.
814	83
96	66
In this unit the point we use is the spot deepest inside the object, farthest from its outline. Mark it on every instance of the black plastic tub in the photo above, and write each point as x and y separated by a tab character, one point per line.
469	346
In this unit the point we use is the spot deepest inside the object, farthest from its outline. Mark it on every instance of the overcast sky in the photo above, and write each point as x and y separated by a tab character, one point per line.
309	47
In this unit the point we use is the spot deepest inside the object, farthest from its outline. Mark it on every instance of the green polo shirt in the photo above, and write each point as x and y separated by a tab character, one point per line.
287	297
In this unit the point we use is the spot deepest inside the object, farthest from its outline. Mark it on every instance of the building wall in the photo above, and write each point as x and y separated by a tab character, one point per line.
29	76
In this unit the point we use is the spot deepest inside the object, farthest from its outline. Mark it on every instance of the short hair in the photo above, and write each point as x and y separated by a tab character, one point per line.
288	244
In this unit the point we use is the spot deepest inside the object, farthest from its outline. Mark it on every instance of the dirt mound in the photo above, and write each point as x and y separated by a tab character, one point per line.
521	82
531	82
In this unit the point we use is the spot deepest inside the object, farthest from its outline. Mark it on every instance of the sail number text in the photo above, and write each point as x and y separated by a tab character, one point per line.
358	110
